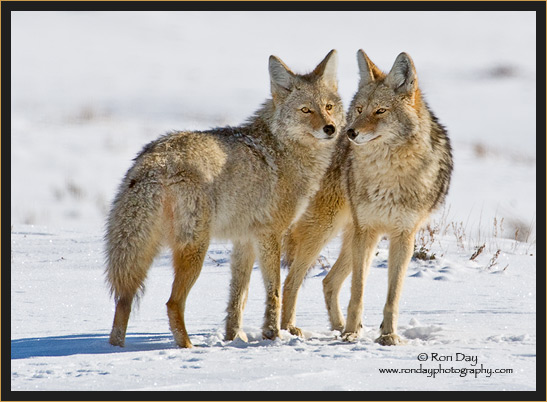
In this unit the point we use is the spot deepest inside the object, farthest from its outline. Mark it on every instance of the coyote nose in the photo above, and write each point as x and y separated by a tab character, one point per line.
329	129
352	134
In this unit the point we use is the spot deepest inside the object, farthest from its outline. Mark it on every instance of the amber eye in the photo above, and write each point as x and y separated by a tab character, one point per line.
380	111
359	109
305	110
328	107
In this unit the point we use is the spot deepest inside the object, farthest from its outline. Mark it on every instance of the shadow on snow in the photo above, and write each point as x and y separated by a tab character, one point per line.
87	344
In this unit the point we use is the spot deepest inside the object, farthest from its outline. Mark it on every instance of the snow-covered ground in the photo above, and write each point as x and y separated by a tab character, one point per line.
90	89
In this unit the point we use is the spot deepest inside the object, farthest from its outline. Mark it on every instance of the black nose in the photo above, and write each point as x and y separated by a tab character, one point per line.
352	134
329	130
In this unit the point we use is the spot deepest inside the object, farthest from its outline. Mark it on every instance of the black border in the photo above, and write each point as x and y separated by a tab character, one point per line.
274	5
538	6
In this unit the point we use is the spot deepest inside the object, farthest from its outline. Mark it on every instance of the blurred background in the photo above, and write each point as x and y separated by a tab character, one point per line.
90	89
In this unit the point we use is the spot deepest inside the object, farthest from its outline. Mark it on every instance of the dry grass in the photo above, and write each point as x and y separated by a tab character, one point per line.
494	260
323	262
424	243
434	240
477	252
504	235
459	231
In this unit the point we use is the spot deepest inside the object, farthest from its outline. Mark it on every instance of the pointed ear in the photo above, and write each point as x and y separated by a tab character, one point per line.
367	69
281	77
327	69
403	77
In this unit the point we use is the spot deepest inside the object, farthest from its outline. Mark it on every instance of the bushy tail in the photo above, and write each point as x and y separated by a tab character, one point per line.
133	237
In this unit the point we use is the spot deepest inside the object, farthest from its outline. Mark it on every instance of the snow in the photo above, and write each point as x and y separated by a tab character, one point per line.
84	102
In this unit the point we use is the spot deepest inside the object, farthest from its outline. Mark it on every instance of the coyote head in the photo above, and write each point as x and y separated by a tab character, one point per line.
386	108
307	107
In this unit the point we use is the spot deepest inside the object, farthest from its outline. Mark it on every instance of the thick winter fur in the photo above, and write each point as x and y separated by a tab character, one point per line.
246	183
391	170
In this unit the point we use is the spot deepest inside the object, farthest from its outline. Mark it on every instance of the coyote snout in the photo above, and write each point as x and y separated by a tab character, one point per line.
328	132
322	124
361	138
329	129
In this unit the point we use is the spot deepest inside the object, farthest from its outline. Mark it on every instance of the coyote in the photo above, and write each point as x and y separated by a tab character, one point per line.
390	171
246	184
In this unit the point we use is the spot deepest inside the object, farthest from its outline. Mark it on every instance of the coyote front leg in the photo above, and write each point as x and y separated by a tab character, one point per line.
243	257
364	244
401	247
269	254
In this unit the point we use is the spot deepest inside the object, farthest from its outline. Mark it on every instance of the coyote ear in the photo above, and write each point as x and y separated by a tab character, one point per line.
403	77
327	69
367	69
281	77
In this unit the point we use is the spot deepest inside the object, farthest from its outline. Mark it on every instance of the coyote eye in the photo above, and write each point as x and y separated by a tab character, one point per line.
328	107
359	109
380	111
305	110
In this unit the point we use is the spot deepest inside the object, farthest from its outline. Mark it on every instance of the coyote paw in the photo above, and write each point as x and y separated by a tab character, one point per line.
270	333
389	340
184	344
232	335
237	335
117	338
182	341
350	336
295	331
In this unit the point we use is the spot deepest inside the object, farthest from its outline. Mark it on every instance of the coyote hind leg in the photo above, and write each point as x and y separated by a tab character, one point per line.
334	280
187	262
298	269
121	318
128	264
304	243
